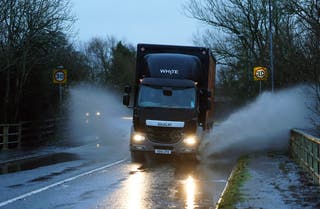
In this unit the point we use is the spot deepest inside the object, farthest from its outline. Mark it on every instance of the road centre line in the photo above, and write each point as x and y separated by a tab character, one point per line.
59	183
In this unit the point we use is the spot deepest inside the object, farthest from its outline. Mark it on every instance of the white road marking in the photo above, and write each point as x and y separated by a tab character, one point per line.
59	183
219	181
225	187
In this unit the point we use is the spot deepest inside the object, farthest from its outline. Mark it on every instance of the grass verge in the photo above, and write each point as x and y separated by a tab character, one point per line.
232	194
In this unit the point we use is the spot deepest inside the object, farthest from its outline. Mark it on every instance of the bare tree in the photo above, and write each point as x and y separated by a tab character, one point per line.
112	62
99	53
28	29
238	35
307	13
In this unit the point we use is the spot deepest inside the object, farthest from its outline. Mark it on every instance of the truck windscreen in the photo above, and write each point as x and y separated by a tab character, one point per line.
173	97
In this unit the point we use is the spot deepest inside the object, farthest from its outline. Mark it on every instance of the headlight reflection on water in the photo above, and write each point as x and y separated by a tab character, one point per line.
136	187
132	193
190	188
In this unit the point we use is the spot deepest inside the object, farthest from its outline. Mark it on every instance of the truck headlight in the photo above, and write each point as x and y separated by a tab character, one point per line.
138	137
190	140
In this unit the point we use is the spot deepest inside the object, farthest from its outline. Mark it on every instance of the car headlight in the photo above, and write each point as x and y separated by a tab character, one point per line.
138	137
190	140
98	114
87	114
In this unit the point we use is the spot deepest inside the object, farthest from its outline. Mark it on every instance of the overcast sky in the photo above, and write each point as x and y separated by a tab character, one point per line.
135	21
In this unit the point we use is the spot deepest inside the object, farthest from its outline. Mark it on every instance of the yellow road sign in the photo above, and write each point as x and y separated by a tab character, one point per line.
60	76
260	74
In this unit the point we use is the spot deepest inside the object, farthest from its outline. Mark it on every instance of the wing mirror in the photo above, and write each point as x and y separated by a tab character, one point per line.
126	100
126	96
206	96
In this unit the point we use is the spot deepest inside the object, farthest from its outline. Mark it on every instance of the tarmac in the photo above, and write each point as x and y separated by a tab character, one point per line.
275	180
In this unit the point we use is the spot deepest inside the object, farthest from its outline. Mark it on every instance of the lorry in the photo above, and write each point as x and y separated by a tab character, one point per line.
172	100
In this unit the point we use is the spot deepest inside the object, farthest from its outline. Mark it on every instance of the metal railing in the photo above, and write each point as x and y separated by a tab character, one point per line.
10	135
28	133
305	149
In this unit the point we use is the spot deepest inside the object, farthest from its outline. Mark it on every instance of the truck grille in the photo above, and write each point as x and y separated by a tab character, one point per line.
164	135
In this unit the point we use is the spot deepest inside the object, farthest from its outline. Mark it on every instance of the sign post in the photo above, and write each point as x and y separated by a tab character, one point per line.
60	77
260	74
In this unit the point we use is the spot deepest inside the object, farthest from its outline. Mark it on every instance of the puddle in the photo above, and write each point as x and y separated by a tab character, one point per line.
15	186
47	177
36	162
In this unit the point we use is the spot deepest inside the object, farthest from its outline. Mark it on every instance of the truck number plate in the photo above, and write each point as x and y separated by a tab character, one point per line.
162	151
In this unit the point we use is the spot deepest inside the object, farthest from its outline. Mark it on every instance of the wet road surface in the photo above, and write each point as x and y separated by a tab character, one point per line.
165	183
99	174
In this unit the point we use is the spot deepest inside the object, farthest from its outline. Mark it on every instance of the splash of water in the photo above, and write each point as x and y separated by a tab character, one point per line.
263	125
97	113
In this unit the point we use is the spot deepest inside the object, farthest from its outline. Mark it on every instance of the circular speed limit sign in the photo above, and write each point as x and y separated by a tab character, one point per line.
260	73
59	76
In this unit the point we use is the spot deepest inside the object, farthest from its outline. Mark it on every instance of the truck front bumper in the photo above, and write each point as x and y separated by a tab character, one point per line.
188	145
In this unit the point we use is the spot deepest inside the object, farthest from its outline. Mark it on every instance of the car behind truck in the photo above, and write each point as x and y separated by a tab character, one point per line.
172	100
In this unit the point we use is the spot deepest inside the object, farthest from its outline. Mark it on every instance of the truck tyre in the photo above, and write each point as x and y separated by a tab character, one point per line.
137	156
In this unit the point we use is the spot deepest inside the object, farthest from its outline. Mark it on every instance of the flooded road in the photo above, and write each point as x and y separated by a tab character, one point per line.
96	172
85	177
167	185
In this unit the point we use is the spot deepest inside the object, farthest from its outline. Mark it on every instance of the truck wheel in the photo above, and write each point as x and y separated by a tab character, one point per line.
137	156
